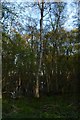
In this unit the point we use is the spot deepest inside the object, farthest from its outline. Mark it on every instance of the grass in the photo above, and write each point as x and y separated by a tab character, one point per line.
45	107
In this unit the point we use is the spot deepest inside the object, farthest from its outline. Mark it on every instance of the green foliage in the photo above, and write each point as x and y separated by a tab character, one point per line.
20	61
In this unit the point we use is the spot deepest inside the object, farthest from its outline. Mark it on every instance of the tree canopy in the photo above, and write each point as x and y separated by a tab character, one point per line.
39	56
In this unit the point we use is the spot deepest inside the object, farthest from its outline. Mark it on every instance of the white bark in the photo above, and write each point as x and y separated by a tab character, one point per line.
40	50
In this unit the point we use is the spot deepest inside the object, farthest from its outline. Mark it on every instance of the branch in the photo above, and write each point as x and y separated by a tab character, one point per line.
39	5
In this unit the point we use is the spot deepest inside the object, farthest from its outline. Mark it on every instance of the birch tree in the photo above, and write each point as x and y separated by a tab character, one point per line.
41	8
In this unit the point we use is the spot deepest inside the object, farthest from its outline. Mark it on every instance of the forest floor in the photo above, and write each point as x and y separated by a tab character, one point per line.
44	107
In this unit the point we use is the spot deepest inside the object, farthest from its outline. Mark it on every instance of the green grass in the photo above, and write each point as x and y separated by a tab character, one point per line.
45	107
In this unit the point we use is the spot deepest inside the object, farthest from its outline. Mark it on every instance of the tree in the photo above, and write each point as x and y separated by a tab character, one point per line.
41	7
40	61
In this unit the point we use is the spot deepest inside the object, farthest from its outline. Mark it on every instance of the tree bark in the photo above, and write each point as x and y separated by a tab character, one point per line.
41	7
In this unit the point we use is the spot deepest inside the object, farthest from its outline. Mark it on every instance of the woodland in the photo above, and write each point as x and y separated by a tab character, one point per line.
40	60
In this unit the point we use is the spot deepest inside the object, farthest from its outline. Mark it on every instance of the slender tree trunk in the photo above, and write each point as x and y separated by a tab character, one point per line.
47	80
37	87
40	50
19	85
